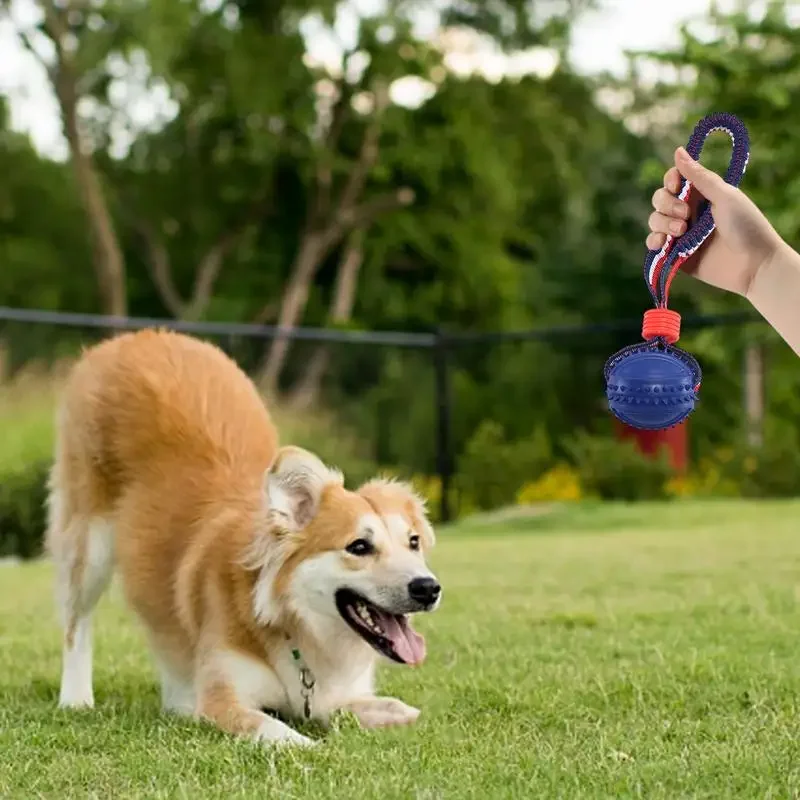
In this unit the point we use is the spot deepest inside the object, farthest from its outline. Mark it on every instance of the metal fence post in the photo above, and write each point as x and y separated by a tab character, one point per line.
444	408
753	391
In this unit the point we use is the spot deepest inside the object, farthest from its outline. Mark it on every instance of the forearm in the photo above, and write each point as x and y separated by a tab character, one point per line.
775	294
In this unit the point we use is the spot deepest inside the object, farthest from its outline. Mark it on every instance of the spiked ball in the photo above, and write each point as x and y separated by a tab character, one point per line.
652	389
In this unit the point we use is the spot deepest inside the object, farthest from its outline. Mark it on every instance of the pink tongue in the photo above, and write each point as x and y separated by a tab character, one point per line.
407	643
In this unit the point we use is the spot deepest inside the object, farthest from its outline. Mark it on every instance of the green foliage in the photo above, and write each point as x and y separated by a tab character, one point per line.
749	66
26	431
493	469
531	199
22	510
771	469
41	225
331	439
616	470
518	24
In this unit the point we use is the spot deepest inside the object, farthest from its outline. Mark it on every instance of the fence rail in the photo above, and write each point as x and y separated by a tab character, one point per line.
441	344
338	336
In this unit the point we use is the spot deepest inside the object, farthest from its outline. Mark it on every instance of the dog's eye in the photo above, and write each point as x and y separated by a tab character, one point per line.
413	542
360	547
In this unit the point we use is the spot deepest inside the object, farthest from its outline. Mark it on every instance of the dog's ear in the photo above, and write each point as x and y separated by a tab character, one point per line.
403	496
294	485
419	514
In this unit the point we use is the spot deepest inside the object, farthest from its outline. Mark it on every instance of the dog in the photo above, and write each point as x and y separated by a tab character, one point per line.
262	583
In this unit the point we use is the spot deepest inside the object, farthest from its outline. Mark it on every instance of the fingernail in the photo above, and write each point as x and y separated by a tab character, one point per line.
684	154
680	209
676	227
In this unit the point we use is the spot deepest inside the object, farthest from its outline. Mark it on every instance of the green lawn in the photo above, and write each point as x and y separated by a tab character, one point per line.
646	651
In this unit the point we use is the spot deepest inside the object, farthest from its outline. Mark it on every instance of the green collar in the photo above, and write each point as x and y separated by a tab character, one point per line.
307	682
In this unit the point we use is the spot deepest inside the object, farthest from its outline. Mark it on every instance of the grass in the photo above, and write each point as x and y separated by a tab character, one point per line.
623	651
27	419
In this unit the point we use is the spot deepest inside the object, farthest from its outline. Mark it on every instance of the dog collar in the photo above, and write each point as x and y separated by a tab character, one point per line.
307	682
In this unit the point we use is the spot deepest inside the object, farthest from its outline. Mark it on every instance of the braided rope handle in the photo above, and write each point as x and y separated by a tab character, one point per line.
661	266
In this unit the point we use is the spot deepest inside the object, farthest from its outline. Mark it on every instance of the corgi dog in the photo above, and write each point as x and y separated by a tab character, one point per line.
261	582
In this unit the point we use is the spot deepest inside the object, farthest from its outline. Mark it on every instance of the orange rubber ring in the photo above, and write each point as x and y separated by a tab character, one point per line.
662	323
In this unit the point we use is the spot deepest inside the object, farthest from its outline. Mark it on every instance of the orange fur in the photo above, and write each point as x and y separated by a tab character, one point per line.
163	449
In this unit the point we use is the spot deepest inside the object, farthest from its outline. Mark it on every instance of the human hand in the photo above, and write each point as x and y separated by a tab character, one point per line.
743	241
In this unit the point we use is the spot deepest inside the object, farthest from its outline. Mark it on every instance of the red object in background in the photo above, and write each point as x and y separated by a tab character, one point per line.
675	440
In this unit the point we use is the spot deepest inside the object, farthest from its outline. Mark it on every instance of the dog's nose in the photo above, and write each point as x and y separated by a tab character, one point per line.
424	591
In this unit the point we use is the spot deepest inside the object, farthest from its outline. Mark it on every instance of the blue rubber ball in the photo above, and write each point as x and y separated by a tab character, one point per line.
652	390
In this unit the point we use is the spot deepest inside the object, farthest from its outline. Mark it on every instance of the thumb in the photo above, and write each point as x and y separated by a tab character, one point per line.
708	183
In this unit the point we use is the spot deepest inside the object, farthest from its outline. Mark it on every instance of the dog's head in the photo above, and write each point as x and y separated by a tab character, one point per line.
343	561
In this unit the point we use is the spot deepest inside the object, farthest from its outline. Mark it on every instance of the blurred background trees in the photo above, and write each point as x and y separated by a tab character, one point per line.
218	170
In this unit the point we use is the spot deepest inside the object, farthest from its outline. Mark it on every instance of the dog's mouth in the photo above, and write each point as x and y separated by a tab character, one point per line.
390	634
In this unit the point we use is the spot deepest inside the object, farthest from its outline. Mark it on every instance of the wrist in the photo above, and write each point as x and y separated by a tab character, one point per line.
774	292
767	275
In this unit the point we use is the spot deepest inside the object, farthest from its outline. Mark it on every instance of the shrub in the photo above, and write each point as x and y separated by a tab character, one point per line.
712	477
26	443
559	484
771	470
22	511
616	470
492	469
26	421
324	434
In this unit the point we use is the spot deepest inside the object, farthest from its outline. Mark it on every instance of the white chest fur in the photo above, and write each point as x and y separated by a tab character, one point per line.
255	683
280	687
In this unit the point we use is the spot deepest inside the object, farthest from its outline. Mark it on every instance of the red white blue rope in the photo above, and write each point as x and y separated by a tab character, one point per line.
661	266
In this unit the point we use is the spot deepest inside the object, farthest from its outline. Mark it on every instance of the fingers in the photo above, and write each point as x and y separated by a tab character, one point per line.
661	223
666	203
671	215
672	180
709	184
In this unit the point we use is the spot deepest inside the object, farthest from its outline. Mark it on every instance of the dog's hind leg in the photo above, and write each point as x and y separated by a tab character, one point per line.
82	549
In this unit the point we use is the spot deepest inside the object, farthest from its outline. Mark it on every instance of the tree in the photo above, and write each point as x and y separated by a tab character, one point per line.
40	230
193	184
341	311
336	200
66	29
392	52
200	189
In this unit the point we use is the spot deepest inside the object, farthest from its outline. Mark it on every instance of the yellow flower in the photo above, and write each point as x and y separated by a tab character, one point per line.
561	483
681	486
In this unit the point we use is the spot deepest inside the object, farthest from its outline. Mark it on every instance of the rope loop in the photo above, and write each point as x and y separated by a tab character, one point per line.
661	266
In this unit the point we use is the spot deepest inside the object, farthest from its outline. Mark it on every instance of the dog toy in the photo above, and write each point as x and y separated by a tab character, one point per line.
654	385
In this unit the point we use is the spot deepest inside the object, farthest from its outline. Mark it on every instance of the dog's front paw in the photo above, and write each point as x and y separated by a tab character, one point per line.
382	712
296	740
280	735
